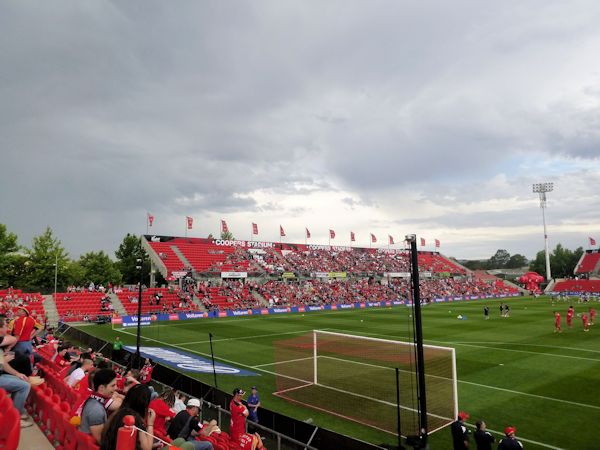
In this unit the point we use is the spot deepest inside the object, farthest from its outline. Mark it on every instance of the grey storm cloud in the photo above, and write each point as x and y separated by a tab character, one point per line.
112	109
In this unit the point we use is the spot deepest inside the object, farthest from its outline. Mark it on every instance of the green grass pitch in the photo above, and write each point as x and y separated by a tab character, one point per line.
511	371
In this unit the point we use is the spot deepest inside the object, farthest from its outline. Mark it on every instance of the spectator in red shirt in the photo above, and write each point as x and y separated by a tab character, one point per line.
24	328
146	372
251	442
163	407
238	415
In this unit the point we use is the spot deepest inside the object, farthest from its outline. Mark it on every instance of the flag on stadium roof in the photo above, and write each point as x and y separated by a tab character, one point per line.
391	239
373	238
307	233
224	228
422	242
437	243
352	237
254	228
592	242
331	234
190	222
150	219
281	232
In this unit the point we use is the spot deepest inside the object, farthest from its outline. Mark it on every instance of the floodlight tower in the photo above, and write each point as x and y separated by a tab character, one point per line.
541	189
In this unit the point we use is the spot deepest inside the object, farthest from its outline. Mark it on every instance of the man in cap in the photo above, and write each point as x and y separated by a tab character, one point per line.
483	438
238	415
24	328
186	424
460	433
509	441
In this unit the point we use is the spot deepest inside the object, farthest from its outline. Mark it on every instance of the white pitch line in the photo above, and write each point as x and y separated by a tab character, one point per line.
400	338
292	389
285	376
283	362
530	345
243	338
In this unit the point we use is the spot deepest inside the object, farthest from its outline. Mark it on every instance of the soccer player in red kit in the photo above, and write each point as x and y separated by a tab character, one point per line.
570	313
592	315
238	415
557	322
584	318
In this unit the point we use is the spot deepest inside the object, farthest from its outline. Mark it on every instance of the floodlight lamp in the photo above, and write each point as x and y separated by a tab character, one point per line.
410	237
543	187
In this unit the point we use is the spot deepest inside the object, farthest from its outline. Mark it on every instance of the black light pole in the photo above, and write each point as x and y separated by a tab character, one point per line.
138	358
421	395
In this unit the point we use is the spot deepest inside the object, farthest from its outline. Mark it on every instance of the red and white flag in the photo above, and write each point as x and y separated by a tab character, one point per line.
390	240
224	228
352	237
592	242
307	233
281	232
437	243
422	242
331	234
373	238
254	228
190	222
150	219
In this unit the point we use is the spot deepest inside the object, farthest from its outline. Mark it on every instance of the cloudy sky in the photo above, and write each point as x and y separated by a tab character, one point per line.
387	117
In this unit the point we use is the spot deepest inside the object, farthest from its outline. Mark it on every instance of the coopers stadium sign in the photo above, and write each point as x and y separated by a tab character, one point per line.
185	361
249	244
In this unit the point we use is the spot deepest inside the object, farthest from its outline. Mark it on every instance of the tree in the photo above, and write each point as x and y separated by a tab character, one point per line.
8	241
227	236
499	260
41	257
99	268
127	255
516	261
562	262
13	269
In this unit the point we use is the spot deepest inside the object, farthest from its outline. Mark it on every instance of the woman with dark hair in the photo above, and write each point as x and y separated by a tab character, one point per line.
163	407
134	404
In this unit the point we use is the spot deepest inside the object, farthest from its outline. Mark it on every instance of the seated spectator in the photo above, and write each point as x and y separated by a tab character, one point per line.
13	382
187	425
146	372
74	378
163	407
250	442
179	402
93	413
135	404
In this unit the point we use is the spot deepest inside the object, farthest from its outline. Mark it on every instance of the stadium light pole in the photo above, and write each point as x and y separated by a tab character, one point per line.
421	390
541	189
55	273
140	266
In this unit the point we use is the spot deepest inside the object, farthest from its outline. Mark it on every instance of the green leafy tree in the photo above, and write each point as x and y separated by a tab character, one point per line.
227	235
562	262
99	268
13	270
8	241
128	253
45	251
516	261
499	260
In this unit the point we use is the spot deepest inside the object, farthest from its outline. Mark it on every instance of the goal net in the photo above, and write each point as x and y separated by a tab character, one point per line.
355	378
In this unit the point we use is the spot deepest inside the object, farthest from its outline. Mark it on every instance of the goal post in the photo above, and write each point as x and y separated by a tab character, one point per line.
355	377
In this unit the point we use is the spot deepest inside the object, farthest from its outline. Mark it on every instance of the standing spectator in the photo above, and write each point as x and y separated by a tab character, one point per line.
509	441
483	438
24	328
186	425
117	352
238	415
460	433
146	371
11	381
253	405
93	413
135	404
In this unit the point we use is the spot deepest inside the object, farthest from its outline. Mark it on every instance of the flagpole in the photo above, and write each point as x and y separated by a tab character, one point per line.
186	226
147	219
